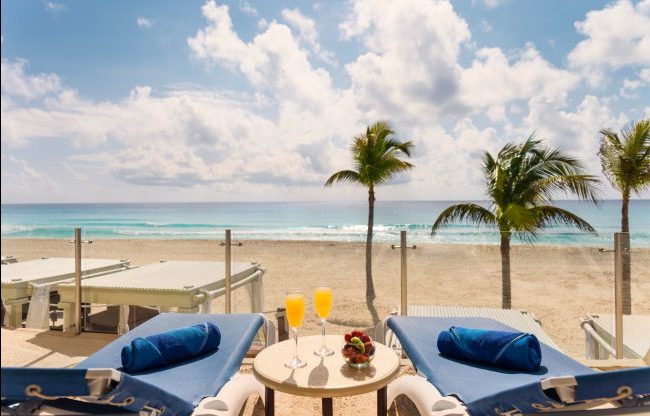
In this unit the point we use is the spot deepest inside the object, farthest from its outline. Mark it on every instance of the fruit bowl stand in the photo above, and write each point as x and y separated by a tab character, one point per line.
323	377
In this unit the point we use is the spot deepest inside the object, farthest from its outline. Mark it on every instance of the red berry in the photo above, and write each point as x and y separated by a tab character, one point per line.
365	338
347	337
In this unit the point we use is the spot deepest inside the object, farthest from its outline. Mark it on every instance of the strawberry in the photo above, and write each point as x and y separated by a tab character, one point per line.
365	338
356	333
347	337
349	351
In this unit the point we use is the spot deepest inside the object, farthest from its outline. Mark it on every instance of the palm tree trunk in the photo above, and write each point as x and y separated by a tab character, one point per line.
626	266
506	290
370	287
625	221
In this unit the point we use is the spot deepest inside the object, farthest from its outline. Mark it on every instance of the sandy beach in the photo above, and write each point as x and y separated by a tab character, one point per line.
557	284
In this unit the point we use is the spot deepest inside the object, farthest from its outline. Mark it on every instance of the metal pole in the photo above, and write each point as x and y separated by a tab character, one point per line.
403	272
228	277
621	250
77	281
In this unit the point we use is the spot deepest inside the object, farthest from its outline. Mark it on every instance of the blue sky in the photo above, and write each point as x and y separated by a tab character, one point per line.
254	101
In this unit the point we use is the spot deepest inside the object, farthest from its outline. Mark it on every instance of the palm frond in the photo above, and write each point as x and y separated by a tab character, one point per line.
549	215
464	212
344	176
625	158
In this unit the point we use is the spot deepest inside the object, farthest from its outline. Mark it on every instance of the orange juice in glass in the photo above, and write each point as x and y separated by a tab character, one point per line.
323	305
294	303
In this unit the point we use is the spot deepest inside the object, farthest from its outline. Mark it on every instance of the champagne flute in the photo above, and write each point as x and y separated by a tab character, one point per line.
323	305
294	303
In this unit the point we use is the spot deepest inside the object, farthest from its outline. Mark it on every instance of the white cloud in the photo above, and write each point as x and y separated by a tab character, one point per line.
308	33
491	4
529	75
410	67
629	88
17	84
617	36
144	23
294	127
53	7
272	61
20	180
247	8
576	131
644	75
485	26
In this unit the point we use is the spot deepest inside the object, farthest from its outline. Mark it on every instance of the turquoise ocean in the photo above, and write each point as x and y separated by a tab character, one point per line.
331	221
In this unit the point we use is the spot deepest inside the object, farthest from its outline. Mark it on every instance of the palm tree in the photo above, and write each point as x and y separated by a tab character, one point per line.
626	163
521	182
376	157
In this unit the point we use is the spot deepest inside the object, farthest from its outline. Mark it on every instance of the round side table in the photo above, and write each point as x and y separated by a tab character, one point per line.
324	377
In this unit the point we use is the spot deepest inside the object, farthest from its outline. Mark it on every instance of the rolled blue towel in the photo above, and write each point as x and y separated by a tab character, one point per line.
170	347
508	350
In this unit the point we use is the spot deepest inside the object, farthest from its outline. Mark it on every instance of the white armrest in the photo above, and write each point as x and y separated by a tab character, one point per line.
425	396
231	398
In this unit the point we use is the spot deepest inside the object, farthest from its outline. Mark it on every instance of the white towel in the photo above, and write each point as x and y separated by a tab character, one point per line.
38	316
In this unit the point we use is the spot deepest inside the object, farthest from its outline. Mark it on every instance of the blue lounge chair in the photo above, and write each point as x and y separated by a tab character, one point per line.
453	387
208	384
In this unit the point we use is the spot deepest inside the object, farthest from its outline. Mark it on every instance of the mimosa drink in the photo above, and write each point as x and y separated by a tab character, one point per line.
323	301
294	302
323	305
295	306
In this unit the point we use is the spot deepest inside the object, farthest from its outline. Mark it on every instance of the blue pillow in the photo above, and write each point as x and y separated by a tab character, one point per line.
170	347
508	350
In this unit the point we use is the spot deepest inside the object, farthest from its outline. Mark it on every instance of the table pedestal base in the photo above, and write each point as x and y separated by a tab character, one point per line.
327	406
269	402
326	403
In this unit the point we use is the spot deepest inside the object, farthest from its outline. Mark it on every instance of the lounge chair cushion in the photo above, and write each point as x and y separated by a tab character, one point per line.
504	349
173	346
189	381
480	387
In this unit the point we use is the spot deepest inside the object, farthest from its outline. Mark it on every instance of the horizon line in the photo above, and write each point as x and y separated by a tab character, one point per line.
286	202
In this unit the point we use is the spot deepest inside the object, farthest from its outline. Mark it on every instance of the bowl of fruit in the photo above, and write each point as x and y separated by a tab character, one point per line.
359	349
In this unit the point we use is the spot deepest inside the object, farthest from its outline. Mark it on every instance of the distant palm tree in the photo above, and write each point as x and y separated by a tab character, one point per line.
626	163
376	157
521	181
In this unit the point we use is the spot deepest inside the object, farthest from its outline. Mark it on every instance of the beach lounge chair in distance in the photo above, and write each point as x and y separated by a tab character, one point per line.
600	340
447	386
205	385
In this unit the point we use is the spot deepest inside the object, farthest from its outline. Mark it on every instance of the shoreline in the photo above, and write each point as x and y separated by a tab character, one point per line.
513	242
559	284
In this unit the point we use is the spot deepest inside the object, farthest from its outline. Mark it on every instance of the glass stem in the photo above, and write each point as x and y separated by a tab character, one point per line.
295	338
323	322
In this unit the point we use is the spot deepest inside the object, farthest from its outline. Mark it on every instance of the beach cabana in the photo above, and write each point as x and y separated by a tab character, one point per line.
600	341
20	279
446	386
183	285
208	384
